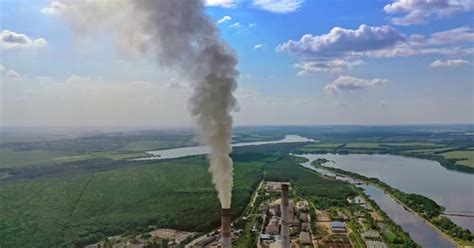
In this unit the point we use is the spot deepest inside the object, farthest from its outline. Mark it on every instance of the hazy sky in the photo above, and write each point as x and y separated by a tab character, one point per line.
301	62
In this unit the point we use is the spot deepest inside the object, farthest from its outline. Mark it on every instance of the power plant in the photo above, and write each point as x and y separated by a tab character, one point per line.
285	236
226	219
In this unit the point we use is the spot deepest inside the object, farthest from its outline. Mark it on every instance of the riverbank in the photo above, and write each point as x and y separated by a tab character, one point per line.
433	153
426	208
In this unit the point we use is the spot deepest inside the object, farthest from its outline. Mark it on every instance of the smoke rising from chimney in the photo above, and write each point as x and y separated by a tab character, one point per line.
181	36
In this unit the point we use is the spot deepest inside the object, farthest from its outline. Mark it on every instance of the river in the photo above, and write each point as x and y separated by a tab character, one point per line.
451	189
420	231
200	150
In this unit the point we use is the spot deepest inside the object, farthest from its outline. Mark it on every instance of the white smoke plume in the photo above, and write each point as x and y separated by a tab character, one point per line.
181	36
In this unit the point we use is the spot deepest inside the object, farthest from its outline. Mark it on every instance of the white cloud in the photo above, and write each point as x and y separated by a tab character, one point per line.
74	78
224	19
258	46
278	6
344	83
420	11
10	74
340	40
11	40
222	3
235	25
449	63
456	35
252	25
54	8
453	42
334	65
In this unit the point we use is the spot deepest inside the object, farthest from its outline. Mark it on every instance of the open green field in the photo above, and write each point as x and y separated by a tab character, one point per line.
465	158
10	158
362	145
13	159
323	145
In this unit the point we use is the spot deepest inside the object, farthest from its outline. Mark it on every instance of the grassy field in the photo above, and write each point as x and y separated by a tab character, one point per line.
362	145
10	158
323	145
465	158
14	159
149	145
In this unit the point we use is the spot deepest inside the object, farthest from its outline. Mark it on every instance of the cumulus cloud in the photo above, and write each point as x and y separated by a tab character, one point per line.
420	11
453	42
235	25
222	3
345	83
456	35
258	46
340	48
340	40
74	78
449	63
10	40
333	65
224	19
54	8
10	74
278	6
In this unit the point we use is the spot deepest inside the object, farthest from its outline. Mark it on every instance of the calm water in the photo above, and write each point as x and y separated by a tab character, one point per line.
200	150
421	232
451	189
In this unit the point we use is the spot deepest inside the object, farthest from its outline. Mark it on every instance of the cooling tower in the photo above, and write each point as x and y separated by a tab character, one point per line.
285	237
225	228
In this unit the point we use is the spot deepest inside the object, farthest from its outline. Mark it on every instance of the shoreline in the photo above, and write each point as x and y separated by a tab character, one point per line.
434	227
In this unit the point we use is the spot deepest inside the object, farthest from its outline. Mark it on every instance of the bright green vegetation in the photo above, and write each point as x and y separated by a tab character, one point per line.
424	206
362	145
323	192
101	155
322	145
10	158
465	158
84	208
149	145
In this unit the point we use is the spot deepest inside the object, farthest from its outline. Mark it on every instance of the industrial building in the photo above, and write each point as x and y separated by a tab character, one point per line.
338	227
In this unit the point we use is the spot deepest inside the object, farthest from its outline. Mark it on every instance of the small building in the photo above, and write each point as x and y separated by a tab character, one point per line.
305	226
273	226
305	238
205	242
265	236
304	217
274	209
338	227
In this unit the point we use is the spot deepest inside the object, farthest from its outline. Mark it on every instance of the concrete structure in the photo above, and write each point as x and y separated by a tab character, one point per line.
226	219
338	227
273	226
305	238
285	233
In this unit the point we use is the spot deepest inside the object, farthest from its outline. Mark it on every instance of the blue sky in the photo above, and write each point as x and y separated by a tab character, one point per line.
361	62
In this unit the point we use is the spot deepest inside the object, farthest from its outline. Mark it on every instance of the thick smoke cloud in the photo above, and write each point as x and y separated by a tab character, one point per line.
181	36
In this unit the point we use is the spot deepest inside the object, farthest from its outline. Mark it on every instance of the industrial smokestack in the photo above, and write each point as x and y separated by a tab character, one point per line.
285	234
226	236
179	35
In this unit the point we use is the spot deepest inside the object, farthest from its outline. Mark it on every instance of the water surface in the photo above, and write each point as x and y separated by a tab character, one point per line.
200	150
451	189
420	231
